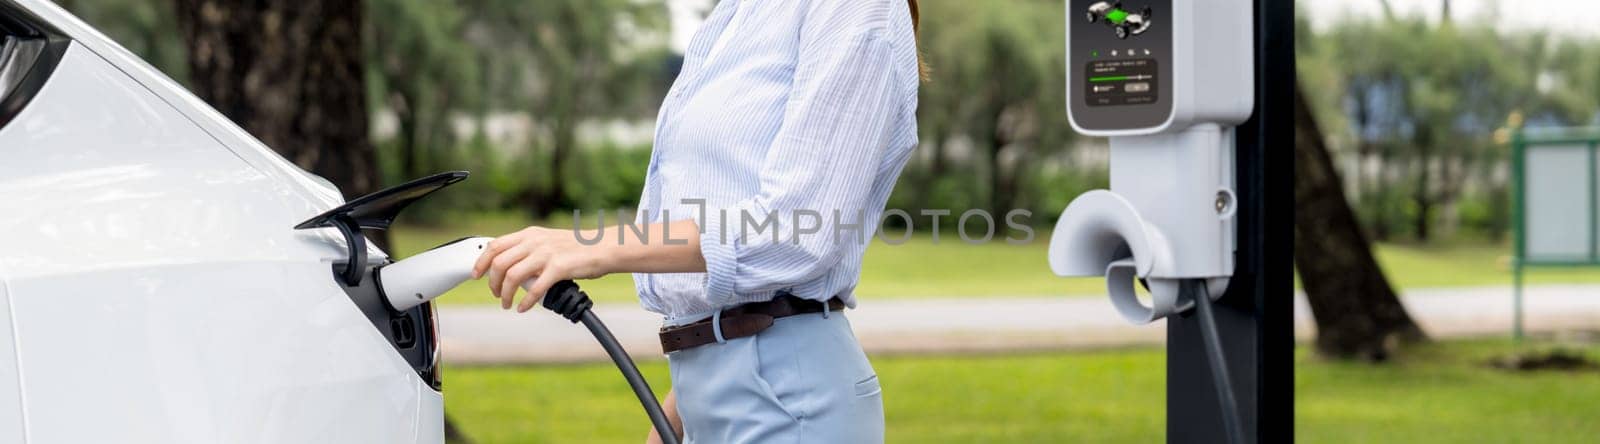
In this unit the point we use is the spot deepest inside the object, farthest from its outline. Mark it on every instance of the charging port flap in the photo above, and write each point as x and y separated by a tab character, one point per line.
375	211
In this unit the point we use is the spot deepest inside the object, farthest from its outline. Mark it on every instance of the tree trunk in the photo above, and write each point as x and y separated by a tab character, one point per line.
997	187
999	139
406	124
565	143
1369	191
928	179
290	73
1357	312
1421	223
1422	196
1383	213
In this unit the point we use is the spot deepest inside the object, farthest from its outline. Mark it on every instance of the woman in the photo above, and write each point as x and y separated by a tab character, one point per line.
774	154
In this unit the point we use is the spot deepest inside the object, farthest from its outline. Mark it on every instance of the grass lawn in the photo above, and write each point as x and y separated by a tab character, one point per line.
1435	393
921	268
1468	265
1444	393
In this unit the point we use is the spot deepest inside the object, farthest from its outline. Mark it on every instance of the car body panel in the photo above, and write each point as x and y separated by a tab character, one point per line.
228	134
153	288
11	423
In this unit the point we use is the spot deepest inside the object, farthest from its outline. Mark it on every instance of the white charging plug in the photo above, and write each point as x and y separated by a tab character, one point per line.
427	275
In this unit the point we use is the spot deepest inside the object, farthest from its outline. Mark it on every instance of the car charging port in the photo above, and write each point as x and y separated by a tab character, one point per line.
411	332
404	331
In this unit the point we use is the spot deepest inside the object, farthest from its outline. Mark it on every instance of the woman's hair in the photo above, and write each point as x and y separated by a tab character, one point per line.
916	29
916	19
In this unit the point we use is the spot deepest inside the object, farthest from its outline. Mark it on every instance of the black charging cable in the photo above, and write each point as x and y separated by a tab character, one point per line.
1219	364
567	300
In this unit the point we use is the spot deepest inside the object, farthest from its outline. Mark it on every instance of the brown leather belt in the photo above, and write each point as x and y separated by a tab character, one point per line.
741	321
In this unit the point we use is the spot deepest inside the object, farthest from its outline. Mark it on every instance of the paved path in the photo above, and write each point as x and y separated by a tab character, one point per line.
487	335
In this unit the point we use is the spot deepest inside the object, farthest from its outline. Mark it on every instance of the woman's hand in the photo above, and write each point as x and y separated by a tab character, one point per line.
548	255
544	255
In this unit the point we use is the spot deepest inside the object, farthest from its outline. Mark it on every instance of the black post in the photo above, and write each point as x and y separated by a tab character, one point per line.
1255	318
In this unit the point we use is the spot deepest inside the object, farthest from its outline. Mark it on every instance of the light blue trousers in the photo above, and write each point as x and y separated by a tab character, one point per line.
804	380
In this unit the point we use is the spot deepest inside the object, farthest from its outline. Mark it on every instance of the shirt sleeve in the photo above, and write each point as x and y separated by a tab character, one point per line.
822	165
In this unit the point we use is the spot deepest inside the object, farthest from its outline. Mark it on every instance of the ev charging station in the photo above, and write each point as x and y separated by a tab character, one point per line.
1196	98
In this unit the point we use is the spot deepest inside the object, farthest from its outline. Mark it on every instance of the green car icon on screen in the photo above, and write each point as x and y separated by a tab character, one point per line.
1125	23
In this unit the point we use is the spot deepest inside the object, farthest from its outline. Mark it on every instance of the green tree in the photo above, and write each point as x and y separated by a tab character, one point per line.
422	70
996	85
146	27
1417	102
568	62
1421	101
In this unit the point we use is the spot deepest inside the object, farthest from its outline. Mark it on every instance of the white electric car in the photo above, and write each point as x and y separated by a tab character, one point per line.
153	288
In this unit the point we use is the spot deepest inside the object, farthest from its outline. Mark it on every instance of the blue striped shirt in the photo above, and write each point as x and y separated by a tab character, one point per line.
783	145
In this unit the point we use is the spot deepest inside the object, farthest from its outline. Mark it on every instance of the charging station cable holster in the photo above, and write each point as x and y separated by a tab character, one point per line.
1168	217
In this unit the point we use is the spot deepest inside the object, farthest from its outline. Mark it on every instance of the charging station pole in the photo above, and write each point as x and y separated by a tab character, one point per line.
1255	317
1196	100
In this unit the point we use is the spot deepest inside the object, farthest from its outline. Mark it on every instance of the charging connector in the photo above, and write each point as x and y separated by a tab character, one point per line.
427	275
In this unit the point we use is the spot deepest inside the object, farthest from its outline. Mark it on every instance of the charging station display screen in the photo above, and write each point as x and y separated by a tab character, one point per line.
1120	53
1121	82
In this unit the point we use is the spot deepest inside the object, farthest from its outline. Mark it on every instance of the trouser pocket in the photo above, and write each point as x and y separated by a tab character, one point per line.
868	387
818	372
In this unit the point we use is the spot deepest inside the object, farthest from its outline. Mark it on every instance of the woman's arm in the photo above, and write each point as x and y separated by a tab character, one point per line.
670	406
548	255
843	111
829	151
